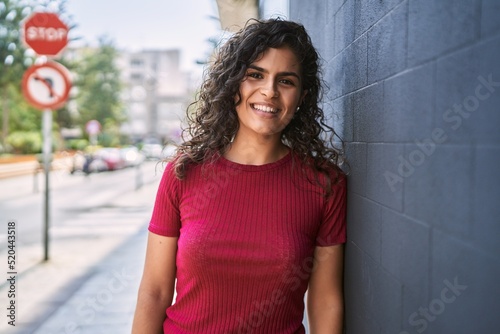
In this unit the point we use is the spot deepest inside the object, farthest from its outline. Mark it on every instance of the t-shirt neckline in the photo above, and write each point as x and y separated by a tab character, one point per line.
256	168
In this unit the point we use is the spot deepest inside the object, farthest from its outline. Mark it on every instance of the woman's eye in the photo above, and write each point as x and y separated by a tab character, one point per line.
254	75
287	82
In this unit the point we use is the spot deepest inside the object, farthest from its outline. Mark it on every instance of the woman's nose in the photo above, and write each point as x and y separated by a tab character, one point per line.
269	89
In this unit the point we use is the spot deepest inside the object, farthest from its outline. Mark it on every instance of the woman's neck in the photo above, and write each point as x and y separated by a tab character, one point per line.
255	152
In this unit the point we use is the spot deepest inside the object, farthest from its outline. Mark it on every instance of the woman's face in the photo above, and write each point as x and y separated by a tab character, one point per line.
270	93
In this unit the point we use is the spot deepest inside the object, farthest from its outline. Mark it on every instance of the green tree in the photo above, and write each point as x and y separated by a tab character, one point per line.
24	134
13	56
23	117
99	87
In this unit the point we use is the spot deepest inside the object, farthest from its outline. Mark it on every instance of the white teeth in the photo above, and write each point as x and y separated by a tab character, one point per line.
265	108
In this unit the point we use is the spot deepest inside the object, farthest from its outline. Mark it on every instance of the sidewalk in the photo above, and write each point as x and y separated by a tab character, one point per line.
105	296
101	299
90	283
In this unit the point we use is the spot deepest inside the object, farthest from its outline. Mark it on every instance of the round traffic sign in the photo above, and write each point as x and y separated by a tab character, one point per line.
46	86
45	33
93	127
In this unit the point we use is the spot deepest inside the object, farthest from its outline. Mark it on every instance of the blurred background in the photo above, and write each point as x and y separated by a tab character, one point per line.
135	68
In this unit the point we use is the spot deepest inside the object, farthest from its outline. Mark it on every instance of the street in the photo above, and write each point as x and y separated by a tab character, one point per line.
78	203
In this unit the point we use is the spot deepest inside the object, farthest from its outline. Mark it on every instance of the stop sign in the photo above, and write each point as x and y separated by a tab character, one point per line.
45	33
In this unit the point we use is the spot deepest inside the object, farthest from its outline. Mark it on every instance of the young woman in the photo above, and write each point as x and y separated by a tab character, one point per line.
251	212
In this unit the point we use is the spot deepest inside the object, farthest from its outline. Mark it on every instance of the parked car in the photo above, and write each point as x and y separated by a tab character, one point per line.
87	162
111	157
152	151
96	165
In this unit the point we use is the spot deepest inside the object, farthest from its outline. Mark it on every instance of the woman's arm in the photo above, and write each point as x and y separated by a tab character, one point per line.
157	285
325	298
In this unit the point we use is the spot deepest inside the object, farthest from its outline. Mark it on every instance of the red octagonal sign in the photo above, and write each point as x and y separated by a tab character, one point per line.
45	33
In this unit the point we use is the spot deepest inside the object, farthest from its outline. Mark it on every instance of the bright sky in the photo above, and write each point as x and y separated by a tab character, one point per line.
147	24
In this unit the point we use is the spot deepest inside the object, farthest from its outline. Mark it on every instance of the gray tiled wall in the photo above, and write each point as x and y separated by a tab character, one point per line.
415	92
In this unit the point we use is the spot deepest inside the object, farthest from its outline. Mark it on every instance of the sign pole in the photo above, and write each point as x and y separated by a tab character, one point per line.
46	87
47	157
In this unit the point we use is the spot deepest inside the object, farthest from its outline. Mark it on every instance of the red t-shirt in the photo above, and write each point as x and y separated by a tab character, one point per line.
246	242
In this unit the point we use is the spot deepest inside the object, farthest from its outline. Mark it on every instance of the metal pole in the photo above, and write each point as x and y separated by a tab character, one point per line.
35	180
138	176
47	152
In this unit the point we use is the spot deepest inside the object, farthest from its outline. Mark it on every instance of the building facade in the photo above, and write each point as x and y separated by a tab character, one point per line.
156	94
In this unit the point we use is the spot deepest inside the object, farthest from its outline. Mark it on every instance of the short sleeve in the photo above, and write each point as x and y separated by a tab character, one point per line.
165	219
333	227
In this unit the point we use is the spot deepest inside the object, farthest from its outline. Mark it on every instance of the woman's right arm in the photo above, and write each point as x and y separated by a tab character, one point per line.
156	290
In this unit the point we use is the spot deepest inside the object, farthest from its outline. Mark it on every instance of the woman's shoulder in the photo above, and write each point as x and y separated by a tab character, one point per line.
183	166
321	172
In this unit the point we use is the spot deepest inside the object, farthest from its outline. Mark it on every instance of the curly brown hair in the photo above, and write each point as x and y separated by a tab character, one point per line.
214	121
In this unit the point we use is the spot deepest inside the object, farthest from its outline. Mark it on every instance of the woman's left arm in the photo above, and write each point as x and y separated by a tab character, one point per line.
325	297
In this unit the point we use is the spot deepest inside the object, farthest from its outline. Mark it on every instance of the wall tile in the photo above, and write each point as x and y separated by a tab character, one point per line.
460	265
333	6
436	27
368	12
369	114
364	225
387	45
408	109
356	157
381	158
344	26
341	118
357	293
486	194
405	247
490	23
354	66
468	94
438	187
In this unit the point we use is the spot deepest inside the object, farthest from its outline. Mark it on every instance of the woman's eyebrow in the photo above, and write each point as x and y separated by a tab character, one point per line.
260	69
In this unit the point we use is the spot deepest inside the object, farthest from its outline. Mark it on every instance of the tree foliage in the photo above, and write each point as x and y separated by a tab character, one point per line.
99	86
23	117
12	58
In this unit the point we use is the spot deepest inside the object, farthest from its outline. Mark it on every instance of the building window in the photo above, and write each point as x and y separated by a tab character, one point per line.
136	76
136	63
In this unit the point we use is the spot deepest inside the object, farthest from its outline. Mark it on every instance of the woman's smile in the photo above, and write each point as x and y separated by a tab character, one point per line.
264	108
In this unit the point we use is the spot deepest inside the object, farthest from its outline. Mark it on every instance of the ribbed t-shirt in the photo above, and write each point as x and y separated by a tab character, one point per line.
247	236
